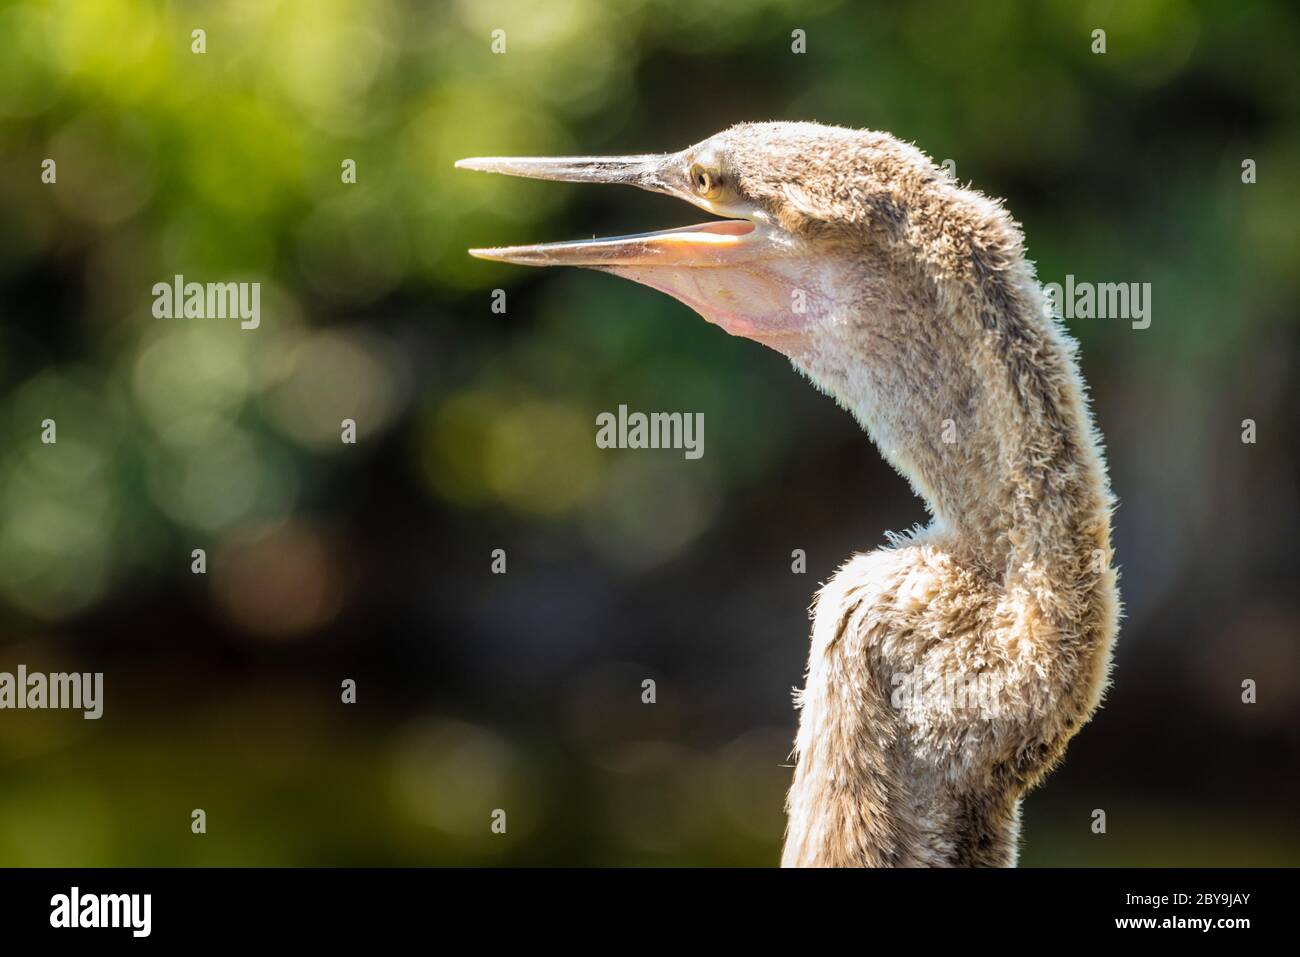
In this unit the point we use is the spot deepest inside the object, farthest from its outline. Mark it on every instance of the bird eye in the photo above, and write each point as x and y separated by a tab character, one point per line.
704	182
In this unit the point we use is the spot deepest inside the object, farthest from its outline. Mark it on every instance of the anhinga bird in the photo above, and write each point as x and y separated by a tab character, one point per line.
908	299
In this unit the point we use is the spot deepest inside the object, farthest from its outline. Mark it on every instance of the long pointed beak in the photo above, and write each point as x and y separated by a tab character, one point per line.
708	244
645	171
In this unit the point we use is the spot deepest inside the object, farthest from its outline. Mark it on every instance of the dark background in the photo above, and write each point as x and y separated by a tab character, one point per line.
523	691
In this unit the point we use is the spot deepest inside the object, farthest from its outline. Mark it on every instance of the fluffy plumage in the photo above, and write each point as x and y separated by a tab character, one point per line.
935	334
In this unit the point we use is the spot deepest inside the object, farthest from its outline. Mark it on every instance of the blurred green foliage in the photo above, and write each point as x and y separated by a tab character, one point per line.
226	165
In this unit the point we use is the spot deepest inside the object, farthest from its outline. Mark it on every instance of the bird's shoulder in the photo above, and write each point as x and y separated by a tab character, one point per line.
898	590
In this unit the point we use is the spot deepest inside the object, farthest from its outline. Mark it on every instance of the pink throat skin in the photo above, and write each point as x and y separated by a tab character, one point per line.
777	302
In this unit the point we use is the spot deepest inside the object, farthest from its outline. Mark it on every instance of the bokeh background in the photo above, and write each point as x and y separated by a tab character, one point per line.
372	561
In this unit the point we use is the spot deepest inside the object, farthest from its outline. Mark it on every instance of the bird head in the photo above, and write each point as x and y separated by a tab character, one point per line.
804	209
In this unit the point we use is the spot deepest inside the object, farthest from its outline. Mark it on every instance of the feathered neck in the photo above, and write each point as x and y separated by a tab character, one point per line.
970	389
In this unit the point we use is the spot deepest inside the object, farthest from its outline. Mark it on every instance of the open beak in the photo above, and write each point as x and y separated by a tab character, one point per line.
717	243
741	272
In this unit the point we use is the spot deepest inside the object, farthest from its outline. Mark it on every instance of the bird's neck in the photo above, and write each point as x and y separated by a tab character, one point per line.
977	401
973	395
